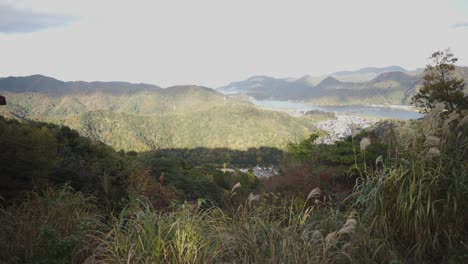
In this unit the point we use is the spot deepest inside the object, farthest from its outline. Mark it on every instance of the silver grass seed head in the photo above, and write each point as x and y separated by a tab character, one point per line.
349	227
365	142
432	141
437	110
316	192
379	159
432	153
237	185
463	122
314	236
331	238
347	246
253	198
353	130
452	117
317	236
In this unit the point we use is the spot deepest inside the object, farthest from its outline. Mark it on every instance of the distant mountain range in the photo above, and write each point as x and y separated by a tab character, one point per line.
388	85
143	117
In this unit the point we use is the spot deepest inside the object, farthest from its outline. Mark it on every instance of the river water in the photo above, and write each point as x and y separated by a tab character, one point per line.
376	111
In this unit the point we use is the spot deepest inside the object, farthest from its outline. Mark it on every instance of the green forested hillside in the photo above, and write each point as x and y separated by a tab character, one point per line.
150	117
36	155
230	126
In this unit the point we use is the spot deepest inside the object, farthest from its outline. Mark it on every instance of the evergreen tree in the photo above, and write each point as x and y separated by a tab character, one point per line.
440	85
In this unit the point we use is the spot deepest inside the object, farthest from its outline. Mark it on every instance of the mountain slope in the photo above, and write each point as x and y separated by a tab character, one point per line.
232	126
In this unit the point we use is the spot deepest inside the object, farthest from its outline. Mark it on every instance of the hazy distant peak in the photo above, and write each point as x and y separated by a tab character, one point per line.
34	77
33	83
304	78
395	75
259	78
329	81
368	70
190	88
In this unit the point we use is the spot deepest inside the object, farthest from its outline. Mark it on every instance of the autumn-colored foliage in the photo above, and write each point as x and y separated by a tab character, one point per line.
142	182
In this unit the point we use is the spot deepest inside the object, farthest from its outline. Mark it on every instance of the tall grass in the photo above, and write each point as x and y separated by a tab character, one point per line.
418	198
50	226
140	234
60	226
264	230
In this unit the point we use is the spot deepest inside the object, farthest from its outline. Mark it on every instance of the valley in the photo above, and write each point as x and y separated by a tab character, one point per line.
233	132
121	157
143	117
251	113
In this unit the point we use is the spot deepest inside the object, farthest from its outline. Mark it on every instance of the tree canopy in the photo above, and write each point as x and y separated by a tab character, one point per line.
440	85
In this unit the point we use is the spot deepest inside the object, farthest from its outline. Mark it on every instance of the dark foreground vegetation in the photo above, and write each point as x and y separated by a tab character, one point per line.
394	194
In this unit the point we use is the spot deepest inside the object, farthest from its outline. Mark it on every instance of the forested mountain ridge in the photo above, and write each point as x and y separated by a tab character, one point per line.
44	97
143	117
44	84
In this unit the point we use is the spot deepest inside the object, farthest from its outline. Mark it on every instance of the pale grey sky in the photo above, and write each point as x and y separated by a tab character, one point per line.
214	42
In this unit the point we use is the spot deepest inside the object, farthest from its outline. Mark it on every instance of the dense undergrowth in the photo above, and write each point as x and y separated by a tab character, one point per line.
404	201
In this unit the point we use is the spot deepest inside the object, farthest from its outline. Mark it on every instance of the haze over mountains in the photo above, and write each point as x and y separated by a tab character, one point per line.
361	75
388	85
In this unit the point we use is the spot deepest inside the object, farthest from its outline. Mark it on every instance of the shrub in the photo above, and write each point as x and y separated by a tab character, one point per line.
141	182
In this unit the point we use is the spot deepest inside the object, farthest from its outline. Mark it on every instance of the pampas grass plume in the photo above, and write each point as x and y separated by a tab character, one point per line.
364	143
316	192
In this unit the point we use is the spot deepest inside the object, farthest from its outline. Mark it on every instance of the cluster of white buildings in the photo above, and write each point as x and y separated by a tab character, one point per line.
264	172
259	171
342	127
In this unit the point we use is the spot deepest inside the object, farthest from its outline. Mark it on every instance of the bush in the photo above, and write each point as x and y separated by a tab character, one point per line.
142	183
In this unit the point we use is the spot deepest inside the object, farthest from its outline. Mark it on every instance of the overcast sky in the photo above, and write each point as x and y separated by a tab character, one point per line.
214	42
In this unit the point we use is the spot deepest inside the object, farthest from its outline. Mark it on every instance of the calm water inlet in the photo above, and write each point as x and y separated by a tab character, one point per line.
377	111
